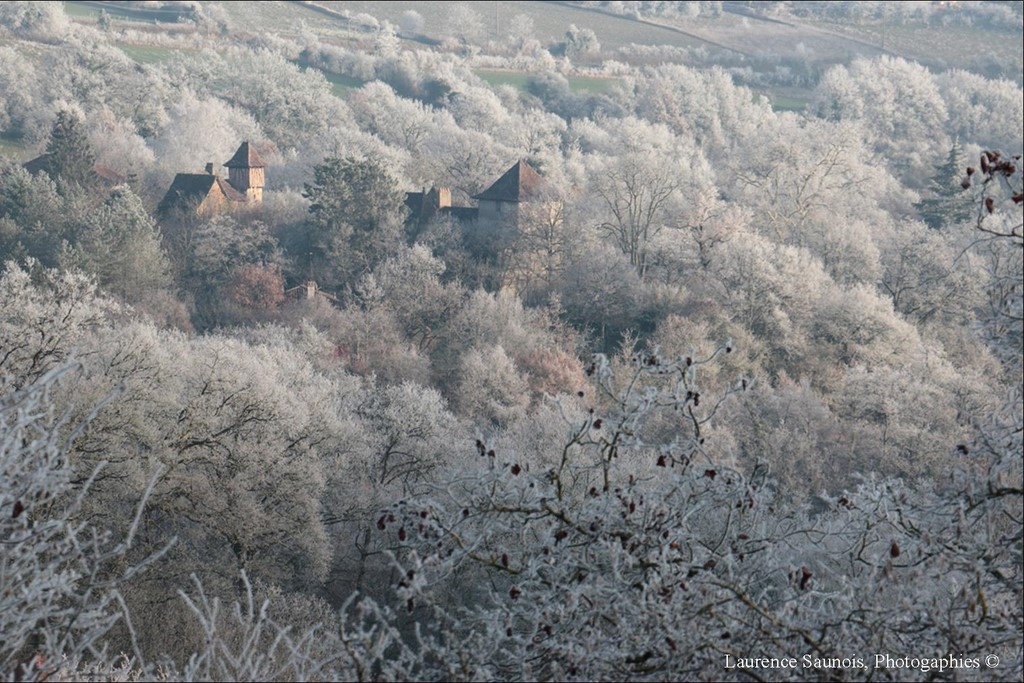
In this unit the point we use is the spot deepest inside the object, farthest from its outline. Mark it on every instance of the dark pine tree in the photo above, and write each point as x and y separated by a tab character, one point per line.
70	158
947	203
355	220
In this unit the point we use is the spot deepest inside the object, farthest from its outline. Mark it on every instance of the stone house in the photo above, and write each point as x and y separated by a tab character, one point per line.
208	193
519	196
517	226
514	197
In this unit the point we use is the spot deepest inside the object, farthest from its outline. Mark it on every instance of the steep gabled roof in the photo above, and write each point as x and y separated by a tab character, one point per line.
414	202
104	174
189	190
519	184
38	165
245	157
230	192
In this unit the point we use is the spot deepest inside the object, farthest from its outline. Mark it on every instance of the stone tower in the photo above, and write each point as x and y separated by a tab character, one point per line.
506	200
245	172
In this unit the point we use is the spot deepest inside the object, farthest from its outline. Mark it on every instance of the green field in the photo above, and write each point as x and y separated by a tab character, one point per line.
74	9
13	149
517	79
341	85
786	103
594	85
146	54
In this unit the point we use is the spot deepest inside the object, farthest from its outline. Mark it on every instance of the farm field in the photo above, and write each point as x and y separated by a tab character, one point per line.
550	20
340	83
753	36
964	47
738	34
13	149
742	34
518	79
788	99
734	33
286	19
148	54
119	11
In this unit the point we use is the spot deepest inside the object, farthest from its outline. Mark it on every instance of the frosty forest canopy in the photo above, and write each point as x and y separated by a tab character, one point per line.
511	341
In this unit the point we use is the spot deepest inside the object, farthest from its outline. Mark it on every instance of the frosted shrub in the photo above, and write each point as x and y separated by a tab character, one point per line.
634	558
60	577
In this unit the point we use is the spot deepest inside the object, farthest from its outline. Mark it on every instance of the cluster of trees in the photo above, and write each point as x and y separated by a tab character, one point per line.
799	435
598	537
997	15
657	8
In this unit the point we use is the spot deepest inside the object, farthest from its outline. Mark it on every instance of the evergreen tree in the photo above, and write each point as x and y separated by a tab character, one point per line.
355	220
34	218
70	158
948	203
119	243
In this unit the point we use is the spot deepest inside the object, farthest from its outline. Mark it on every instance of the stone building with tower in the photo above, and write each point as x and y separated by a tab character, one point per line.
513	198
517	226
209	193
245	173
520	195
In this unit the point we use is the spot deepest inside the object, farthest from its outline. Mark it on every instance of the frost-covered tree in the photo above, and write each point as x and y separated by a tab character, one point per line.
20	99
642	181
61	577
898	101
489	387
705	106
602	293
411	23
634	558
581	42
197	130
926	278
46	22
982	111
119	244
36	219
409	287
42	320
465	24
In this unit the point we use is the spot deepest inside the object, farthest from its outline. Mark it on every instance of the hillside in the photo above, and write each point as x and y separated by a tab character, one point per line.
590	341
749	41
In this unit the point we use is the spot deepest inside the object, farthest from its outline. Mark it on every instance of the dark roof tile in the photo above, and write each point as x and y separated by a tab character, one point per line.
103	173
189	189
519	184
245	157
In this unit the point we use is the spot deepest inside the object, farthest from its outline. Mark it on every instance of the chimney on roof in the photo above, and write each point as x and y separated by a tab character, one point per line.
209	168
